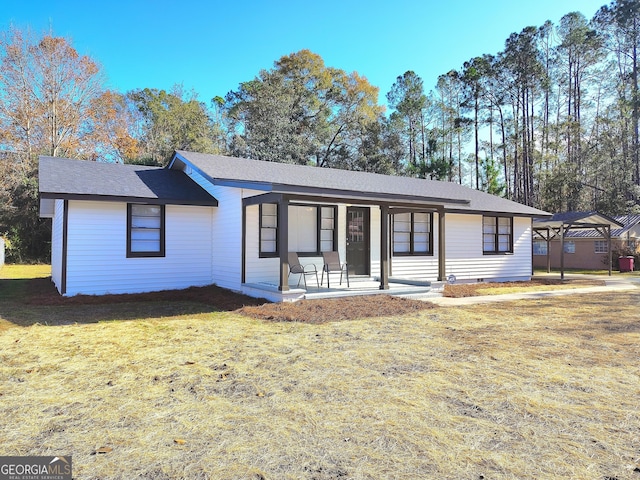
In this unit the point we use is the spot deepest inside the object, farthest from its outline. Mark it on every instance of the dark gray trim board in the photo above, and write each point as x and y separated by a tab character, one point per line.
65	230
113	198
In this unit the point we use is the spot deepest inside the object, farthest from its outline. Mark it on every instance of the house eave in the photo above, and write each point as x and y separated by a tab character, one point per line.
128	199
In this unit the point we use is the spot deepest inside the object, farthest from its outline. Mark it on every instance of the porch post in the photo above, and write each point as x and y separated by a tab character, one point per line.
442	267
244	242
608	233
548	240
562	252
283	242
384	247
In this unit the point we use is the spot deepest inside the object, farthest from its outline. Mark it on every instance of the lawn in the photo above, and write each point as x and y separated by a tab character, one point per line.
181	389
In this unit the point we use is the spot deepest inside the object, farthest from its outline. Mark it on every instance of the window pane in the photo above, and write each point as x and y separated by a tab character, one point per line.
326	245
145	234
146	210
268	234
489	229
601	246
145	224
402	222
269	209
421	217
420	237
269	222
268	227
268	246
144	245
327	212
488	238
401	237
401	247
420	227
488	225
539	247
327	224
420	247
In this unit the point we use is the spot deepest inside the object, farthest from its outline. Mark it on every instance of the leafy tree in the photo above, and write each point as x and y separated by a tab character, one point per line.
523	72
48	94
620	22
302	111
451	128
112	133
172	121
474	77
408	99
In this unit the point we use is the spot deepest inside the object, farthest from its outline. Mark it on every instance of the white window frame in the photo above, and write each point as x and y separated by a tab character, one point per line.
600	246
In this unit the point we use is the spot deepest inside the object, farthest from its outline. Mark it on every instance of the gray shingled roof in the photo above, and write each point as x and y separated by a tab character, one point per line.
576	219
75	179
308	180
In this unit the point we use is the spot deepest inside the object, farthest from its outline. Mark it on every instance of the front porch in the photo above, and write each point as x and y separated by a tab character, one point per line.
358	286
360	230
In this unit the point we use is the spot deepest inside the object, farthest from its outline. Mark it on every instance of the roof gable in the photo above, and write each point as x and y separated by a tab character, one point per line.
82	179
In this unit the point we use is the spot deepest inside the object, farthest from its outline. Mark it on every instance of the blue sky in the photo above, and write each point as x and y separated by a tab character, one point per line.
212	46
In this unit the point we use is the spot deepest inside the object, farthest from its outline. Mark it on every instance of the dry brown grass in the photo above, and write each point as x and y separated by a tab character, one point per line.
529	389
533	285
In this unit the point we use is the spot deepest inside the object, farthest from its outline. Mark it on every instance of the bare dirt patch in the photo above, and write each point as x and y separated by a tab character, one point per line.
476	289
336	309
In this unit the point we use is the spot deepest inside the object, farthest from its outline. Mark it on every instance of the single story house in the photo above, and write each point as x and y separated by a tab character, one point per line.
585	244
232	221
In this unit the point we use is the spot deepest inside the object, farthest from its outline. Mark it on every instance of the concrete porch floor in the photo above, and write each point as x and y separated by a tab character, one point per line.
357	286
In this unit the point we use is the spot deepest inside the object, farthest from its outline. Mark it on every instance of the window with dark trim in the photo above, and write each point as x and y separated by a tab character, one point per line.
327	227
497	235
412	233
145	230
269	230
316	230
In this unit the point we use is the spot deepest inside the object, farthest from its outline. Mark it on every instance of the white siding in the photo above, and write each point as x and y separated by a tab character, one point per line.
258	270
266	270
226	235
56	244
226	260
423	267
374	241
464	254
464	257
97	244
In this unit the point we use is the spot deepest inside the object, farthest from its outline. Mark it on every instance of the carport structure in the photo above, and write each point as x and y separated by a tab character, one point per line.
560	223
